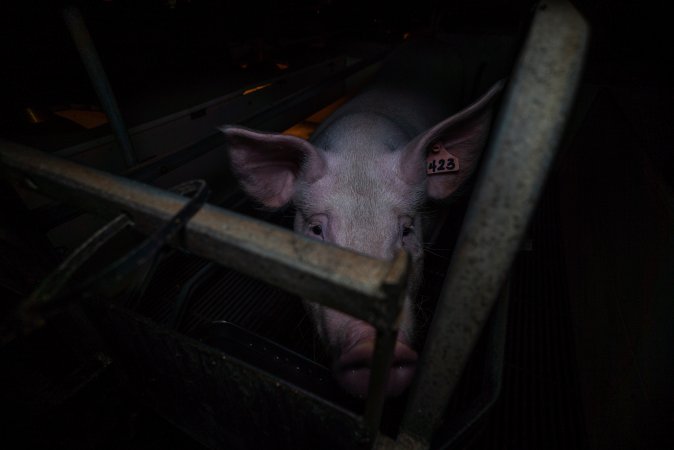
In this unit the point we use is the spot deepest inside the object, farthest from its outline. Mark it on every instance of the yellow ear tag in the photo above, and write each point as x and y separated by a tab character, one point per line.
439	160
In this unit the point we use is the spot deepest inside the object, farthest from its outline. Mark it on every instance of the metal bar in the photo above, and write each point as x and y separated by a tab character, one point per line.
491	390
366	288
25	317
382	358
527	132
85	46
381	362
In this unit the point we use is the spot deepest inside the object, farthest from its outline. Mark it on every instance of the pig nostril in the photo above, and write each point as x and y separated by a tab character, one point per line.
359	365
352	370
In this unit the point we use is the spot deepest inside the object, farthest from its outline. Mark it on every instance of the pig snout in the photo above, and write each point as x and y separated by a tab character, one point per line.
353	343
352	369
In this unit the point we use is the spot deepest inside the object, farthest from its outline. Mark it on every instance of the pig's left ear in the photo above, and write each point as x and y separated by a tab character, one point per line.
450	150
269	164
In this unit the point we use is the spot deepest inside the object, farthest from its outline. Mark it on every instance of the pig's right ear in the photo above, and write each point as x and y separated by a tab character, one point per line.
269	164
458	141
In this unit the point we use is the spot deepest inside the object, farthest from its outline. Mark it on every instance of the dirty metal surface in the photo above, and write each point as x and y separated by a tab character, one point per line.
217	398
526	134
111	281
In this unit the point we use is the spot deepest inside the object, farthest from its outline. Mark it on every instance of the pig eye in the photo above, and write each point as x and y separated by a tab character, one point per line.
317	229
316	226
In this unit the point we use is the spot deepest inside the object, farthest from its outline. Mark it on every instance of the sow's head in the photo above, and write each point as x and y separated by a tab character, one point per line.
359	183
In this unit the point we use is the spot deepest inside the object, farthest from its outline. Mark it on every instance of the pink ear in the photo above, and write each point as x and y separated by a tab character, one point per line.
463	135
268	164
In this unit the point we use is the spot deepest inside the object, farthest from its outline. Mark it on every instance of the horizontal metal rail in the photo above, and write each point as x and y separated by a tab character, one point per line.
526	134
359	285
364	287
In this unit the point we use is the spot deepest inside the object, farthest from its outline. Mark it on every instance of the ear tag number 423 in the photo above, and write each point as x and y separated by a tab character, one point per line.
439	160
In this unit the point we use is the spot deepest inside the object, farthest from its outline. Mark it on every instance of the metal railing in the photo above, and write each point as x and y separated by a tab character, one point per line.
527	131
361	286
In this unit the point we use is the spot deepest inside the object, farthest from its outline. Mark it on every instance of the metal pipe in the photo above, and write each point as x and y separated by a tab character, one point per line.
381	363
527	132
85	46
382	357
363	287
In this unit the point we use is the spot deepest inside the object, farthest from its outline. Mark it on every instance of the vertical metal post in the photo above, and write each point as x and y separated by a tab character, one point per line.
536	104
381	363
99	79
385	343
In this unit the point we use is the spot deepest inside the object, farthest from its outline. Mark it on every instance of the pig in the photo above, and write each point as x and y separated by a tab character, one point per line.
360	180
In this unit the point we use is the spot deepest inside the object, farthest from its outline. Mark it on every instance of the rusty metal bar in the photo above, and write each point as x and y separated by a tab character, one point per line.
381	362
366	288
529	127
361	286
85	46
383	354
